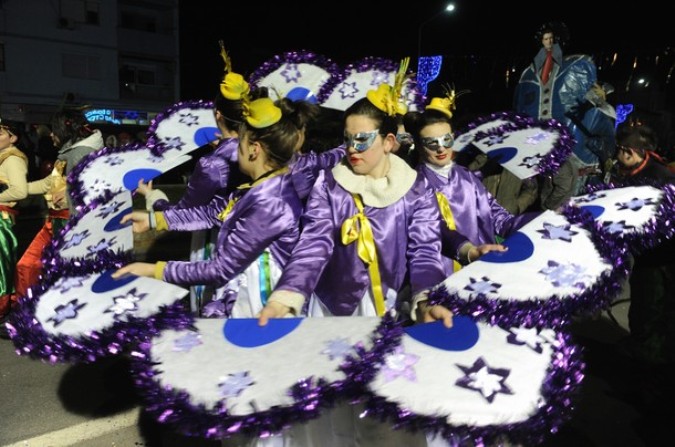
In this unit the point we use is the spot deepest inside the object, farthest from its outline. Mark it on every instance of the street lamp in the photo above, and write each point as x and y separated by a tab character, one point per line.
449	8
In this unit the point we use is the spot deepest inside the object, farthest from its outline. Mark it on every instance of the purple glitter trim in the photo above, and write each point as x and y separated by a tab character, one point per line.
661	227
153	143
32	340
310	396
559	391
299	57
551	162
55	265
557	310
76	187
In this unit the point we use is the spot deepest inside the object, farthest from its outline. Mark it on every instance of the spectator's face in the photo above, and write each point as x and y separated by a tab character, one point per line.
628	156
7	138
547	41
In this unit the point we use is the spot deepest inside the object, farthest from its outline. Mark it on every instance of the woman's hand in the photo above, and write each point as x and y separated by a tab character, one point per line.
136	268
140	221
429	314
273	309
480	250
144	188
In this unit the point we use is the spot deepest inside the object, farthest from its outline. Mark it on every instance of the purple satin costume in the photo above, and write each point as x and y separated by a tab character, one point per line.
210	177
477	214
266	215
407	241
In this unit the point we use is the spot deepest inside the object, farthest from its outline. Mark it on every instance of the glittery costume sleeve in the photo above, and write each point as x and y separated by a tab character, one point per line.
263	217
209	178
196	218
306	167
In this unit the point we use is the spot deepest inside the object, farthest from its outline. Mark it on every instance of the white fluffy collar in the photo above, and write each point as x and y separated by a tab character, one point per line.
378	192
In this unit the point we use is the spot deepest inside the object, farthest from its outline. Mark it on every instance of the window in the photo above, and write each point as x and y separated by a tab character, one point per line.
79	11
130	20
2	56
91	13
81	66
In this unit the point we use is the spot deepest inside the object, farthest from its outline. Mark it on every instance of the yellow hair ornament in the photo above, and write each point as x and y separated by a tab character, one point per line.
233	86
388	98
445	104
261	113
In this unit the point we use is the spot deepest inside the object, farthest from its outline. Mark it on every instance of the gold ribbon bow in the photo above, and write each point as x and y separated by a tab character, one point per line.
233	200
357	228
446	213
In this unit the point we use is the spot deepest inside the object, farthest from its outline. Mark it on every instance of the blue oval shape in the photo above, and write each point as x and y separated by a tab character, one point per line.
131	178
461	336
594	210
503	154
205	135
302	94
520	247
245	332
114	223
106	283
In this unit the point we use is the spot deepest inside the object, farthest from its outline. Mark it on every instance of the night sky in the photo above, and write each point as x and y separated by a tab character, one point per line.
478	40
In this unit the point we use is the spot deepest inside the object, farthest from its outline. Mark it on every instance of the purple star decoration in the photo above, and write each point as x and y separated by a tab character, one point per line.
67	311
109	208
348	90
590	197
400	364
635	204
565	275
189	119
554	232
186	342
337	348
234	384
126	303
532	161
482	287
487	381
102	245
617	227
113	160
526	336
537	138
291	73
66	283
76	239
172	143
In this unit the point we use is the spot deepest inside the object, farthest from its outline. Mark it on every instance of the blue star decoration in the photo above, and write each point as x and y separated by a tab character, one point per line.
102	245
400	364
589	197
532	161
126	303
482	287
527	336
617	227
188	119
113	160
67	311
337	348
291	73
234	384
348	90
487	381
186	342
66	283
537	138
109	208
565	275
173	143
635	204
76	239
554	232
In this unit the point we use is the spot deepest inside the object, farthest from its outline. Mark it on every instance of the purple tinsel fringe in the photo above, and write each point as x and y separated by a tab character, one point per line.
661	227
551	162
559	392
30	338
173	407
153	143
557	310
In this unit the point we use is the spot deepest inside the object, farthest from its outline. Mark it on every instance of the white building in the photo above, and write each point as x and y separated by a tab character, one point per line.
119	57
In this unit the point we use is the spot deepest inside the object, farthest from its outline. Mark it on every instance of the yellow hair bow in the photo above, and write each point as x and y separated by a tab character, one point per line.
388	98
261	113
233	86
447	103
